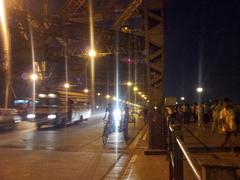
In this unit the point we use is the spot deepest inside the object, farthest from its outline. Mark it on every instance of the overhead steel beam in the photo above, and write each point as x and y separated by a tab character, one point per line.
132	7
154	43
72	6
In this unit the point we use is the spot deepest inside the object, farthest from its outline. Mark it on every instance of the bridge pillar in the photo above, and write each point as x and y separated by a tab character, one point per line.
154	44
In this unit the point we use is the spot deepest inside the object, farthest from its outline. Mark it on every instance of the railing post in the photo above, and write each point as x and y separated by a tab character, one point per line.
170	150
177	154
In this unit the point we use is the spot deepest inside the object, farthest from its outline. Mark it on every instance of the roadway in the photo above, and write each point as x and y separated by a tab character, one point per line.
73	152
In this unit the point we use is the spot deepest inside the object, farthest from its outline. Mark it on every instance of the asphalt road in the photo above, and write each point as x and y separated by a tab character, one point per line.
73	152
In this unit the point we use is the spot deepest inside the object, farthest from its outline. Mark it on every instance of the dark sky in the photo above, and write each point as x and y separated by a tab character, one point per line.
208	31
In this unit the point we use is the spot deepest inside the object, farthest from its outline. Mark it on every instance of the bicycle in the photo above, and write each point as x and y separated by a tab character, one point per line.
106	131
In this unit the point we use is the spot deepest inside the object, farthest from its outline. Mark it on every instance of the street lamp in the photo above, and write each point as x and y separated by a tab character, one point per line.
135	88
129	83
33	77
108	96
182	98
98	94
66	85
86	90
92	53
199	89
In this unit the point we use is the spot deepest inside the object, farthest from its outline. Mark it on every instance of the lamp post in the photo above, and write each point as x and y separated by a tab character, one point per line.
66	85
182	98
199	90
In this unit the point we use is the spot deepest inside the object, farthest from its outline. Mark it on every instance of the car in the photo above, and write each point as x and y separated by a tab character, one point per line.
9	118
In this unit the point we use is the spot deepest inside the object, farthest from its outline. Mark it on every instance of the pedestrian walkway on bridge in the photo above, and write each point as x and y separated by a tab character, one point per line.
203	144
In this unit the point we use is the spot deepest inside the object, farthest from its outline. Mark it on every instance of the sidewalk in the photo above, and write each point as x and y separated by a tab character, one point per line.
155	167
142	167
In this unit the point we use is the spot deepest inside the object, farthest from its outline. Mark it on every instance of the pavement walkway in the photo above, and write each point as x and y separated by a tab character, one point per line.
155	167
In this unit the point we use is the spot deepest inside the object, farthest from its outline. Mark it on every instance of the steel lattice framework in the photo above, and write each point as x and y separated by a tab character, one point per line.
154	41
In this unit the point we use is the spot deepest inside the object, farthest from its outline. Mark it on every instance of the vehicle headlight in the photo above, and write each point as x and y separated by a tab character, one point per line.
31	116
117	114
52	95
52	116
42	95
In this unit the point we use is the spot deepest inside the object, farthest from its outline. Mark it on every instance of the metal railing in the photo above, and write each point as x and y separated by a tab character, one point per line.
177	151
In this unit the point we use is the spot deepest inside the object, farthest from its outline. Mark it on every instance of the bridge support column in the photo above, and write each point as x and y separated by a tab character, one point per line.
154	43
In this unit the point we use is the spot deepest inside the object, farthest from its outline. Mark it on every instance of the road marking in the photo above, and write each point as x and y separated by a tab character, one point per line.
145	136
134	158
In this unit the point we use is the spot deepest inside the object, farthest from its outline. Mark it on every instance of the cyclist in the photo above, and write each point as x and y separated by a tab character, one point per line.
109	115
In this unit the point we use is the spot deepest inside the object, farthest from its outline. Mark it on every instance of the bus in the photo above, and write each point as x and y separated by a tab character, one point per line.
59	108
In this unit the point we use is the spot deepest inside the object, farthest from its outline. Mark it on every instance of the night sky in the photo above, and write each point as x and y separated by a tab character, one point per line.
208	31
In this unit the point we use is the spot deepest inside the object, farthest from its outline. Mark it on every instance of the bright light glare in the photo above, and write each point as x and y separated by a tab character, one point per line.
135	88
99	94
52	116
6	49
182	98
129	83
34	77
117	116
108	96
199	89
140	93
92	53
66	85
31	116
155	107
42	95
52	95
86	90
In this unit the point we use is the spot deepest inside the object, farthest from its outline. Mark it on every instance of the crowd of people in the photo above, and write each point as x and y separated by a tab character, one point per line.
223	116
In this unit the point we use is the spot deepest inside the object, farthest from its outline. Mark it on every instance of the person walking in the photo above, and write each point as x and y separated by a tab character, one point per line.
200	115
227	120
125	122
145	115
215	114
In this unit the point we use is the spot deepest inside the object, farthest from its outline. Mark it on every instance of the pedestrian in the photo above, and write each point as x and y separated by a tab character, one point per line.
145	115
125	122
186	113
200	115
194	112
215	114
227	120
206	113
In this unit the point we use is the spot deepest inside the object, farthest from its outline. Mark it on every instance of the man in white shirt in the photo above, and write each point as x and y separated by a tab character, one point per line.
227	119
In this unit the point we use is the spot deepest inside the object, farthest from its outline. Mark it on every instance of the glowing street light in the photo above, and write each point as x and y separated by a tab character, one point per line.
199	89
92	53
98	94
86	90
135	88
108	96
66	85
182	98
129	83
140	93
33	77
